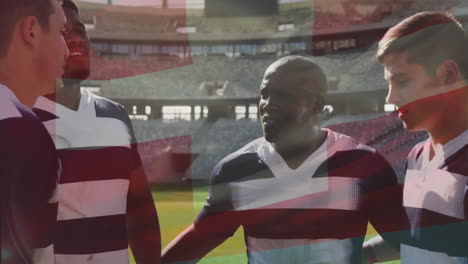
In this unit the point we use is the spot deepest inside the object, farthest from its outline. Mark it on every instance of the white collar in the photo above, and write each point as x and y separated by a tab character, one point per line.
86	100
8	101
281	170
7	92
442	152
454	145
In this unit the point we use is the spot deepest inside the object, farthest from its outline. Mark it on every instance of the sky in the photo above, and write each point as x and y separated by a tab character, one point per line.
172	3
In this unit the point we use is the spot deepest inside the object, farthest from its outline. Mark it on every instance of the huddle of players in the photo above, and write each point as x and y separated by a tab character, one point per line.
302	194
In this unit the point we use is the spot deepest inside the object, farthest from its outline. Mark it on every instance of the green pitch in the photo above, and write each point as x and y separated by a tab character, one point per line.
178	207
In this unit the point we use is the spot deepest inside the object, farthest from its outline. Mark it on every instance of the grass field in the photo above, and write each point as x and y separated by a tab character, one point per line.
178	207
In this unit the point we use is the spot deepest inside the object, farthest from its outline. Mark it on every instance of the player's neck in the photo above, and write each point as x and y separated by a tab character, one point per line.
453	125
24	87
298	148
448	129
69	95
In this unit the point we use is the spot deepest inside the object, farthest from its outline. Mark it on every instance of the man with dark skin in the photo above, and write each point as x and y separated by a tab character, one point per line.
105	204
302	194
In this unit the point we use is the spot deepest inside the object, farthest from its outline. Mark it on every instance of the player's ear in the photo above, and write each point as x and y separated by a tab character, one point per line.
315	107
448	73
319	104
29	30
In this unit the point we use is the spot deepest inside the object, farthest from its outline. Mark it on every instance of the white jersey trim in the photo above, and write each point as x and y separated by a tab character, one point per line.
82	128
92	199
271	194
44	255
439	191
304	251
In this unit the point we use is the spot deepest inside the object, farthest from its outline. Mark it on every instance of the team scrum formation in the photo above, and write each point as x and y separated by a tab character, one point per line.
302	193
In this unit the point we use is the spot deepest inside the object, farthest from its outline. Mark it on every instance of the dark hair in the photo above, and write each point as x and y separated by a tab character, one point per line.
429	39
295	64
11	11
70	4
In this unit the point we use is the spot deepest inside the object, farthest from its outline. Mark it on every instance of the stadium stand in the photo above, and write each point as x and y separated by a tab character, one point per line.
151	130
223	137
153	60
355	71
383	132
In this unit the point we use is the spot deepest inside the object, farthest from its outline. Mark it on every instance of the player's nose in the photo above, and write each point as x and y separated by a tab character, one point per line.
392	96
66	51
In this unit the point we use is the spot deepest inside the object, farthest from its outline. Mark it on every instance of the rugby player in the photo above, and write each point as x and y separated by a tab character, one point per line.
105	204
425	62
302	194
32	53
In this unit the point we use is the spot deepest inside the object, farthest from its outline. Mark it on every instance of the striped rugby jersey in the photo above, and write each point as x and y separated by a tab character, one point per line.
95	147
28	182
317	213
436	201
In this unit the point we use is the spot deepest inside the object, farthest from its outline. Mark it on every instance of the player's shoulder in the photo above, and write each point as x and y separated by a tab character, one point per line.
243	155
239	163
11	109
10	106
23	131
457	155
17	117
351	158
341	144
107	108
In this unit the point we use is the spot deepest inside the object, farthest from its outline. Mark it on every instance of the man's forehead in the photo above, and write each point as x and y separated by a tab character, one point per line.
396	57
70	13
293	81
56	7
57	15
395	63
61	18
286	73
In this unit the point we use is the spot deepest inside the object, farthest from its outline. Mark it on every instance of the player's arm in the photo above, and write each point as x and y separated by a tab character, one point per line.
142	220
192	245
30	174
385	211
215	223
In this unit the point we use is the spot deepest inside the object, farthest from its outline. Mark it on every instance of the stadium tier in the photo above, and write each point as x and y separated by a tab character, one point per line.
314	27
195	77
347	72
208	142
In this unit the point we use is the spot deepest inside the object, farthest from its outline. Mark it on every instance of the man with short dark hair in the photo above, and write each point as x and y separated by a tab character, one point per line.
105	204
32	54
303	194
425	62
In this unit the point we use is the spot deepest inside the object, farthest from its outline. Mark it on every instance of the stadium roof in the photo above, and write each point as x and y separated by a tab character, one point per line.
140	24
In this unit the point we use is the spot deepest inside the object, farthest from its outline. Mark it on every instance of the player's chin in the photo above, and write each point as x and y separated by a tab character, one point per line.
49	87
270	135
76	74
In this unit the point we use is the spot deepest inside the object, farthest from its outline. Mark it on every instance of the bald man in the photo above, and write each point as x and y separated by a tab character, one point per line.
302	194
